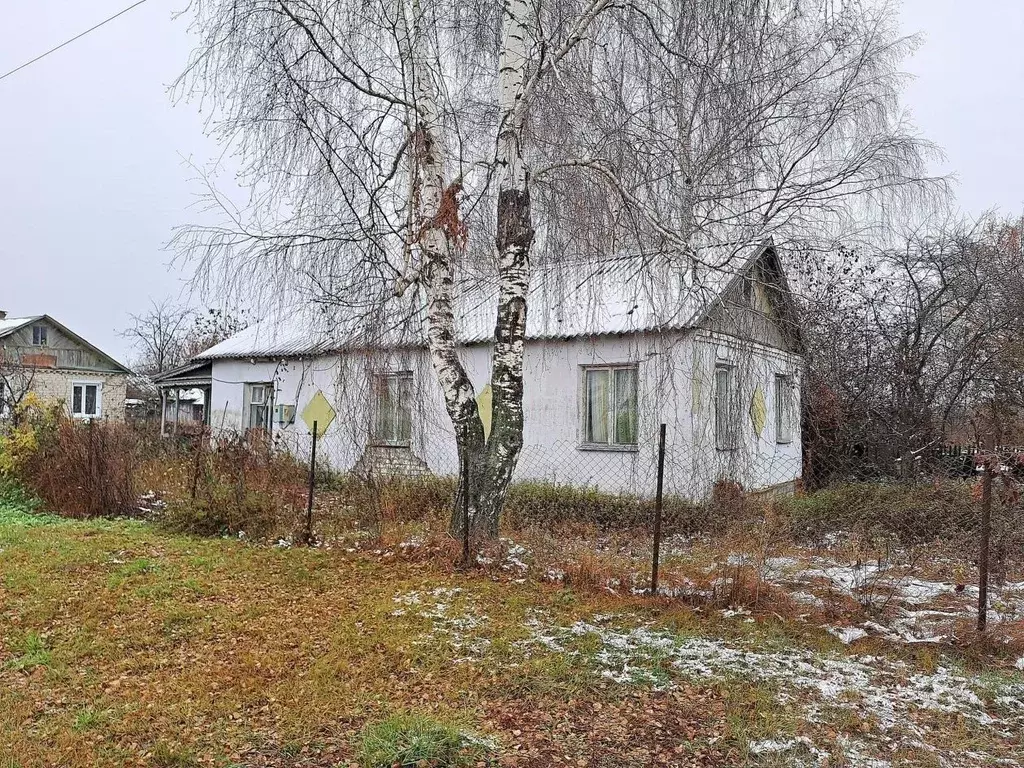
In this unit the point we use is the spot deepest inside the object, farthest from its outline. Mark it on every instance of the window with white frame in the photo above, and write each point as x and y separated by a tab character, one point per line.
39	336
392	408
610	405
86	399
726	426
259	403
783	408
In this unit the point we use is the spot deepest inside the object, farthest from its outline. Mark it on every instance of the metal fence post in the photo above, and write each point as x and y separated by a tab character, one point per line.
986	535
312	483
657	511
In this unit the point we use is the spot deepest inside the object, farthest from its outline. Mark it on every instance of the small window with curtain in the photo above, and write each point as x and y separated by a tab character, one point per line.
392	409
259	404
783	408
86	399
725	408
610	405
39	336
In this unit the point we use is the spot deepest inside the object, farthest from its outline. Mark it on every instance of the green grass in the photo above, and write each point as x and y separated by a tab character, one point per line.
33	653
89	718
407	739
123	644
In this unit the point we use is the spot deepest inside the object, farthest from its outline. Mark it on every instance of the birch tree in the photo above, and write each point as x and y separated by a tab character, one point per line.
405	147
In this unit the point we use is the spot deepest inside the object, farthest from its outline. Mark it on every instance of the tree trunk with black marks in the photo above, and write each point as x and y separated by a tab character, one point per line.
491	472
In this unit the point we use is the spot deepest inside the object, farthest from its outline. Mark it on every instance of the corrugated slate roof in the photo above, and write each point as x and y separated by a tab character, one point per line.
615	296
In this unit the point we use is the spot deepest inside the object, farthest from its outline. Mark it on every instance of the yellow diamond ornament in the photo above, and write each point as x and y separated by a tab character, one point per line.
483	407
318	411
758	411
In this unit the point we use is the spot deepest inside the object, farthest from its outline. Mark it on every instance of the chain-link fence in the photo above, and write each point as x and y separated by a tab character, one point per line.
923	547
915	545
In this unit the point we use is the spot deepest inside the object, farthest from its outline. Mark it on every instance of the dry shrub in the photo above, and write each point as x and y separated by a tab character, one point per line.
1001	640
238	484
84	469
549	505
374	505
397	499
589	571
729	500
909	513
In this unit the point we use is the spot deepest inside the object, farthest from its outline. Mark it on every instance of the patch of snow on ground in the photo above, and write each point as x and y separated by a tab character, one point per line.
807	599
515	557
908	609
888	693
849	579
847	635
455	625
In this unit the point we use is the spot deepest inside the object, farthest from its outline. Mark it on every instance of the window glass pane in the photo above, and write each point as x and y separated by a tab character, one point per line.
380	408
392	409
723	408
783	400
258	417
90	400
403	407
597	407
76	399
625	406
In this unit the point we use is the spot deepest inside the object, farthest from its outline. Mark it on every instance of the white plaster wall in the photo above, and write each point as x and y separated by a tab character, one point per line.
674	385
759	461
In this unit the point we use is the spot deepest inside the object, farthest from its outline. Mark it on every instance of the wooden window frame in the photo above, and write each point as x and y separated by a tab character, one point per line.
611	444
84	383
267	404
390	441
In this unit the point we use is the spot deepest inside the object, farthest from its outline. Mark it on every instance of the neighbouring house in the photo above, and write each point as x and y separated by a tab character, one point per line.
184	397
612	352
40	355
142	400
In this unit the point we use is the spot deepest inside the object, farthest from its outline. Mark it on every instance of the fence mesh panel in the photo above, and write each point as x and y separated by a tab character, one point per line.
892	544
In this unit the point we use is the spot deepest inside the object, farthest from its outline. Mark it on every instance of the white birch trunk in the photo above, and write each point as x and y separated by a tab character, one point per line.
514	238
434	241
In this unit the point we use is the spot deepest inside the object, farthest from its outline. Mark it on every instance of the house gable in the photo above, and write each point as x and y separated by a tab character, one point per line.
41	342
757	305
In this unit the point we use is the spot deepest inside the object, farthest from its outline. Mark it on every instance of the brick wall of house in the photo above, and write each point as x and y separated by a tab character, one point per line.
52	385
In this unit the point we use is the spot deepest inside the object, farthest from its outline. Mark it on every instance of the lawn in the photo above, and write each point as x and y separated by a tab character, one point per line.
121	644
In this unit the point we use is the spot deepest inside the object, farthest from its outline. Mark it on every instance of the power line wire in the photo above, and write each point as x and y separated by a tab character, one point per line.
71	40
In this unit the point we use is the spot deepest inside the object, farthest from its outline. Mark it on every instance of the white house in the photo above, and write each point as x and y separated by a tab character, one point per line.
611	353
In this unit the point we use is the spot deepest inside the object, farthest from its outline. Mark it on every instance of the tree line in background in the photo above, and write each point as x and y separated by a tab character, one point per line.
168	335
911	347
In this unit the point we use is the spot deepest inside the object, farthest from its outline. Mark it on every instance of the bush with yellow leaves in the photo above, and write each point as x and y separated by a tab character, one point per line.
29	427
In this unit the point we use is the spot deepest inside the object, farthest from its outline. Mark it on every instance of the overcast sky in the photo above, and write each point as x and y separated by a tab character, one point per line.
91	146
